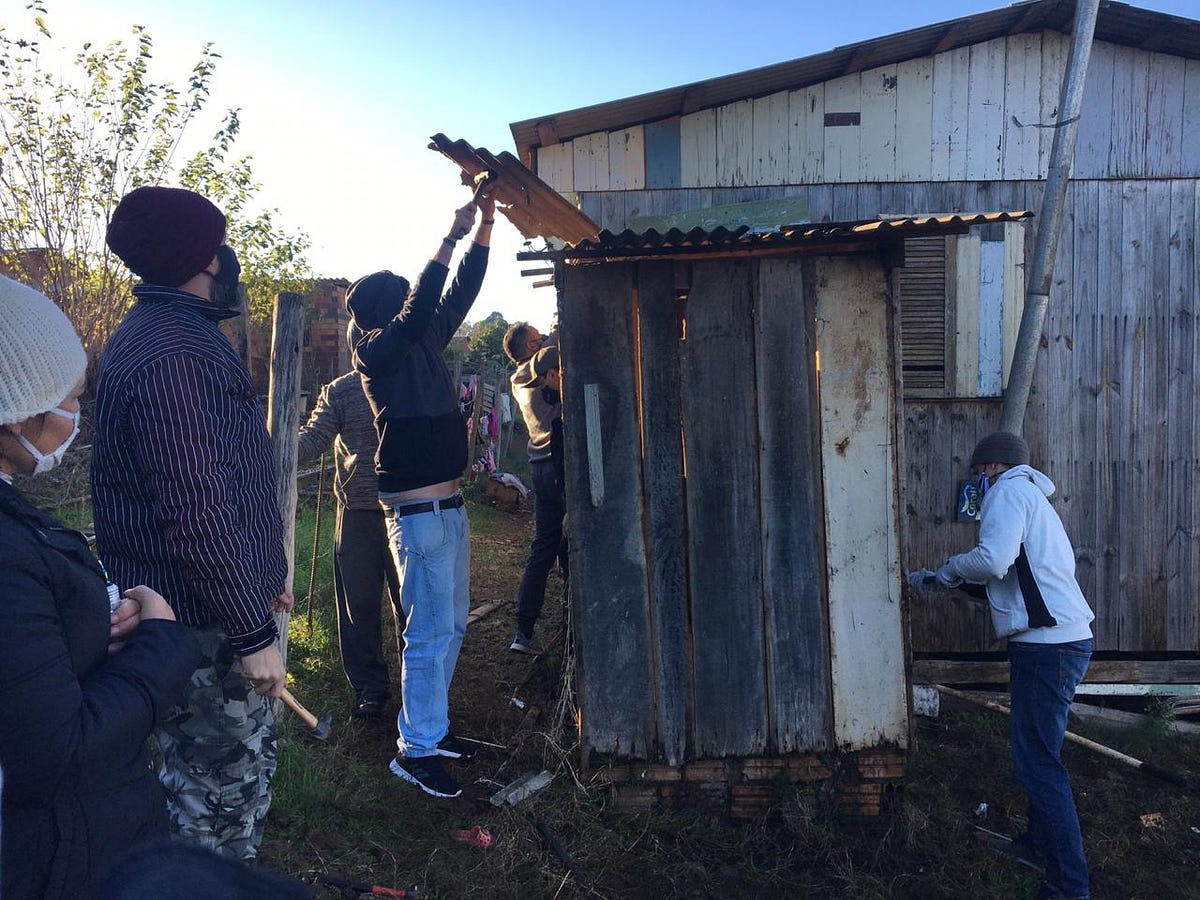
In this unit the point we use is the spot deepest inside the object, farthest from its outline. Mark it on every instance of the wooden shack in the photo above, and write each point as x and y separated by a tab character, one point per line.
953	116
732	419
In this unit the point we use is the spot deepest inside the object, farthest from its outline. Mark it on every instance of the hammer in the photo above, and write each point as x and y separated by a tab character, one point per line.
318	729
483	181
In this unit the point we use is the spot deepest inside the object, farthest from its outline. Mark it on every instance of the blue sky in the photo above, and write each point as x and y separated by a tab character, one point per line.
338	99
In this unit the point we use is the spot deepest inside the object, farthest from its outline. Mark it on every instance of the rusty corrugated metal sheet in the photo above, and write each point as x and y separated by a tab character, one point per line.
1118	23
524	199
698	240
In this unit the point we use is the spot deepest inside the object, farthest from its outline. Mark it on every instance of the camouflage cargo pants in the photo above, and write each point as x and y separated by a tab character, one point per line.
219	755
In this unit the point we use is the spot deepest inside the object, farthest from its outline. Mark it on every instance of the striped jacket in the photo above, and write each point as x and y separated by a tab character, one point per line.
182	470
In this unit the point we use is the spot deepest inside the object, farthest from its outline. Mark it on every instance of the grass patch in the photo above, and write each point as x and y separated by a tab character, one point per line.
338	810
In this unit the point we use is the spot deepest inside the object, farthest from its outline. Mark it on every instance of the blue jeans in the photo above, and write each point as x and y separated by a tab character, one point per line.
1043	678
433	559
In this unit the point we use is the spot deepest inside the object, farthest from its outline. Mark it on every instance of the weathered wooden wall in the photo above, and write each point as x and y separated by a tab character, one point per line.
1113	416
969	114
859	455
701	509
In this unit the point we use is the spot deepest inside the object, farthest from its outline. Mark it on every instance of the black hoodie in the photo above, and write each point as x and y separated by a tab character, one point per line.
422	434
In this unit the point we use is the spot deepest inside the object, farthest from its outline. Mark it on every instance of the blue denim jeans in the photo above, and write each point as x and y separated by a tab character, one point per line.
1043	678
433	559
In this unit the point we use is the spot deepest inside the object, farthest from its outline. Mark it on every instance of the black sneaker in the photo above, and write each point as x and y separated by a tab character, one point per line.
454	748
426	772
368	708
527	644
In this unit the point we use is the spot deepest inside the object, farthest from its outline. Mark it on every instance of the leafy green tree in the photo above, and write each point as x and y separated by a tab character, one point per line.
486	349
73	143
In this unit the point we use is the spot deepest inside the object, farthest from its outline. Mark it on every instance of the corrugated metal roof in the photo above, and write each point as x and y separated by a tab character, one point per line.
844	236
523	198
1117	23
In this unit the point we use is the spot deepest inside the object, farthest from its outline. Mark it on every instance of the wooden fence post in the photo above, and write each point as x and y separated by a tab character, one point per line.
283	424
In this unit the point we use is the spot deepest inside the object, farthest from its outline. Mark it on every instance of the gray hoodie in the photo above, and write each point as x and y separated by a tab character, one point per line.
540	406
1025	559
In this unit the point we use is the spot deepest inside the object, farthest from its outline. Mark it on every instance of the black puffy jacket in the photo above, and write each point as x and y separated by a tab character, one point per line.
78	786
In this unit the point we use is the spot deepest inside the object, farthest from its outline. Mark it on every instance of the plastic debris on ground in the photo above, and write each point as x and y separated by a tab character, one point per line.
518	790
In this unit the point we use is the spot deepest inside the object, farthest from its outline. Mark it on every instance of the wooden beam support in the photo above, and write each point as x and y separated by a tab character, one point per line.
690	103
858	61
547	131
1101	671
1025	23
951	39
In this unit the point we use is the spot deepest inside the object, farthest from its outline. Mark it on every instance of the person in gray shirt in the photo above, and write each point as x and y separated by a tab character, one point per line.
363	566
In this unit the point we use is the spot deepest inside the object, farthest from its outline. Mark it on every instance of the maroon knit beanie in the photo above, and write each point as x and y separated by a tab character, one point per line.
165	235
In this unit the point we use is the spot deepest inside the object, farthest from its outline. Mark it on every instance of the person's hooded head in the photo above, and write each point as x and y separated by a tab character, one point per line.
166	236
42	363
376	299
1002	447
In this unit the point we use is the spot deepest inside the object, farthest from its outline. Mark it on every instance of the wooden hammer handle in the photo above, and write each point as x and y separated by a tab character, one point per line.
308	718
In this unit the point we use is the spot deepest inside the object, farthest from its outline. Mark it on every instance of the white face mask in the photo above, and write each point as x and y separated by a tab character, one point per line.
44	462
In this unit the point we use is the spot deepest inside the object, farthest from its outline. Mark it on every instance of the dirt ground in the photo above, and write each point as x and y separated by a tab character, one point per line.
339	812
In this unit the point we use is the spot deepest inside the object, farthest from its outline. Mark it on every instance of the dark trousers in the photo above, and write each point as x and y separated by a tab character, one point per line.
549	543
1043	678
362	569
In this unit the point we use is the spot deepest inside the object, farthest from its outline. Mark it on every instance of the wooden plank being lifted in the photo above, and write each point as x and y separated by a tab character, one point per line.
527	201
1101	671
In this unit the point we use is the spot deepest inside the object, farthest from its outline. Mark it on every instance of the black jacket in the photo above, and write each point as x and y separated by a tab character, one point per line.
183	474
422	435
78	787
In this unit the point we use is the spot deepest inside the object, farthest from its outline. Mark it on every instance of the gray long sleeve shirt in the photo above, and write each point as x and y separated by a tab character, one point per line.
342	419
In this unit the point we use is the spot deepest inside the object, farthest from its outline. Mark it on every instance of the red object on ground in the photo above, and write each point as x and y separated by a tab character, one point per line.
473	837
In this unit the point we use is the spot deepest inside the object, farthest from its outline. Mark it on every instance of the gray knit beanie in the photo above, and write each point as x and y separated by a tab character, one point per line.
1001	447
41	358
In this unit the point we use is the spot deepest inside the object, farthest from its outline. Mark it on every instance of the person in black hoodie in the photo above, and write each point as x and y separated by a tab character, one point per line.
85	670
422	453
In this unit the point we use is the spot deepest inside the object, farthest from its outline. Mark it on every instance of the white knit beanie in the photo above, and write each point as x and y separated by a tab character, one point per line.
41	357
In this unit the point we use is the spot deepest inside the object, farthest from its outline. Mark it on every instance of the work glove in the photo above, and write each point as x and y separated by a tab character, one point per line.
922	580
946	578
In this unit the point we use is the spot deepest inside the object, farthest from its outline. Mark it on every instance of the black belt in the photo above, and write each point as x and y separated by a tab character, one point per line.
412	509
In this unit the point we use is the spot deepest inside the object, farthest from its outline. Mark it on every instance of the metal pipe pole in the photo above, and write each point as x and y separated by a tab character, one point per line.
1049	221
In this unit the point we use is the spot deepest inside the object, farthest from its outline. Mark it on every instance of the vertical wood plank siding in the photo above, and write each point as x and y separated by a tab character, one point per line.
662	441
793	538
662	154
1102	309
1114	416
858	450
972	112
699	584
719	413
608	548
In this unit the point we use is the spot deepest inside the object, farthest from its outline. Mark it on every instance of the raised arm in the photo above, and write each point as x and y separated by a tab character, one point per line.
469	279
